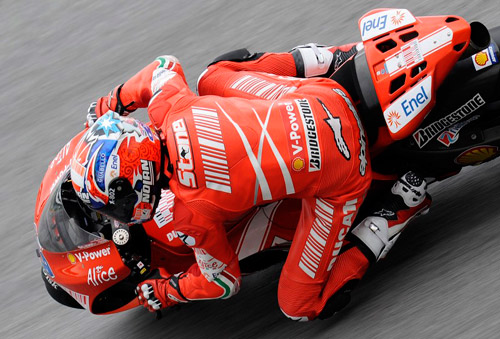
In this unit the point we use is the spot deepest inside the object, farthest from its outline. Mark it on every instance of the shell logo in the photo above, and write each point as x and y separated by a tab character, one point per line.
298	164
481	58
477	155
71	258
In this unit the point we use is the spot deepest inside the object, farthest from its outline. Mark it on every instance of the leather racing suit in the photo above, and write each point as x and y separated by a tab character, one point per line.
302	140
389	209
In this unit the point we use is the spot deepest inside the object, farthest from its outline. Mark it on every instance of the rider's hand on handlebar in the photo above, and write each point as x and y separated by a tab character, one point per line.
157	294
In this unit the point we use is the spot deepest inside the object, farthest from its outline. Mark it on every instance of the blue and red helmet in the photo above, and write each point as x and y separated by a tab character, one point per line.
116	168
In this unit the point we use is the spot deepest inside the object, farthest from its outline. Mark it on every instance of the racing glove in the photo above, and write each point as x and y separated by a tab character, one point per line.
114	103
156	294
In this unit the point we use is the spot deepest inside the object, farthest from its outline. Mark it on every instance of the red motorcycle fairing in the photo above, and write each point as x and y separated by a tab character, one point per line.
82	262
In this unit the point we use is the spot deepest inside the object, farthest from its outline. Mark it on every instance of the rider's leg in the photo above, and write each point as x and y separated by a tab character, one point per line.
302	61
390	214
316	269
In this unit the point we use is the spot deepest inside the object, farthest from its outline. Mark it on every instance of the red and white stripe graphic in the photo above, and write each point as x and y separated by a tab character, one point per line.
261	88
416	50
164	213
318	236
212	149
254	236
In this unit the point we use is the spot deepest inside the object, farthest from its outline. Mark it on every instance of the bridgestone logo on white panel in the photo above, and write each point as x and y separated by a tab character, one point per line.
311	133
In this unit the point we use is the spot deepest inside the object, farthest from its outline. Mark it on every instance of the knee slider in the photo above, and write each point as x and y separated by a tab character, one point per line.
238	55
375	234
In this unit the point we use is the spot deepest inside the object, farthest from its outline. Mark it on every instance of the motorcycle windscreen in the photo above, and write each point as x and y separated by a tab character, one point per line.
59	232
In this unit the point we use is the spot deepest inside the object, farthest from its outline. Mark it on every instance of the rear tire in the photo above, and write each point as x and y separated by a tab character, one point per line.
58	294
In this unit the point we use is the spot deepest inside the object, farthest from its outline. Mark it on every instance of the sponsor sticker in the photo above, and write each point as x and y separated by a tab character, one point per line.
298	164
147	180
485	58
451	135
425	134
409	105
185	160
311	134
209	266
477	155
71	258
380	23
99	275
295	133
88	255
45	265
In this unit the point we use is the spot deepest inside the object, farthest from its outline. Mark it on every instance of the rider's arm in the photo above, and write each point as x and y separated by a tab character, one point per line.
137	91
216	273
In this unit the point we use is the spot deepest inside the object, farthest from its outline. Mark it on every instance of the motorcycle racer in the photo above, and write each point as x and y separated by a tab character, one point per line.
224	156
193	227
379	73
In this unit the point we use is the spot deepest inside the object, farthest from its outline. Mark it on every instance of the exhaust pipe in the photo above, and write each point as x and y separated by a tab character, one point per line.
479	39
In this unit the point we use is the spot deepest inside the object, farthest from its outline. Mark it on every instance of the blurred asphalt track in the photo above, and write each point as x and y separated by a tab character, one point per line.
442	280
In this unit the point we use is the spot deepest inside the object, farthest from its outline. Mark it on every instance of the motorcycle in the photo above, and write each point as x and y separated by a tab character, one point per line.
91	262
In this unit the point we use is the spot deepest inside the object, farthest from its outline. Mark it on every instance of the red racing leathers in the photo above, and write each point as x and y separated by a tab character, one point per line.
229	155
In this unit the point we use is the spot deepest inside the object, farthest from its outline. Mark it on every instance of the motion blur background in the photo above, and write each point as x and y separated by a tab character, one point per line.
440	281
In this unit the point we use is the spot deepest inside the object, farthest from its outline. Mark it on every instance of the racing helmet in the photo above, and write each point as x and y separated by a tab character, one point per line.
404	61
116	168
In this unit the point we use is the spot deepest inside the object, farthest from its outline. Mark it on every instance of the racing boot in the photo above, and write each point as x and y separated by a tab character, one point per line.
372	239
379	231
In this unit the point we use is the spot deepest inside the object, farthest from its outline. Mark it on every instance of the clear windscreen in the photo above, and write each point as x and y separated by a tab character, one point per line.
58	232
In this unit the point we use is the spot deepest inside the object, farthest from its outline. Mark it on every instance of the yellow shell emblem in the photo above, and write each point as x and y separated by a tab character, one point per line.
477	155
481	58
71	258
298	164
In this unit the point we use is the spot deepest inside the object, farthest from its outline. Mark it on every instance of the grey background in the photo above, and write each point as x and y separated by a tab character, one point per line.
441	280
